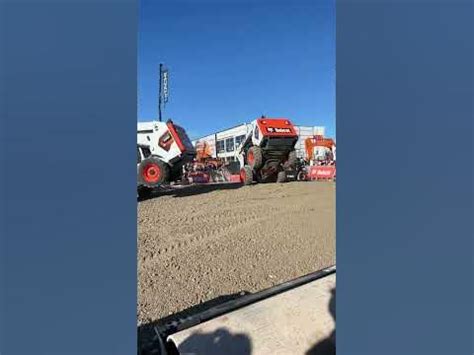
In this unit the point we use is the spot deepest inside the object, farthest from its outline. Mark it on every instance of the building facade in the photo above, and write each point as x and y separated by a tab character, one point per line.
224	144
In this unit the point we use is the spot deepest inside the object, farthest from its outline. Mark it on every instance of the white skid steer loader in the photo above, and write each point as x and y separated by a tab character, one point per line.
163	148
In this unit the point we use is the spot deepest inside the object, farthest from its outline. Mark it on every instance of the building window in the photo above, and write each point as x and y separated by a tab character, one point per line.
220	146
229	144
239	140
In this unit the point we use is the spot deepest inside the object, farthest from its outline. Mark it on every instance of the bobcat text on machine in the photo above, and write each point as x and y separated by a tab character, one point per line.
268	150
163	148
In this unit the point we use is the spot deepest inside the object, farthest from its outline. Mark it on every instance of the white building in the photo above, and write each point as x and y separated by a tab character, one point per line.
224	143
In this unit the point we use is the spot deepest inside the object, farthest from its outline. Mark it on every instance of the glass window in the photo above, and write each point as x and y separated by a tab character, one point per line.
239	140
229	144
220	146
146	152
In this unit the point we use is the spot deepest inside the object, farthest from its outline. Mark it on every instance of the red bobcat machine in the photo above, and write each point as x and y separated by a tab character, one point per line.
205	167
267	151
163	148
321	156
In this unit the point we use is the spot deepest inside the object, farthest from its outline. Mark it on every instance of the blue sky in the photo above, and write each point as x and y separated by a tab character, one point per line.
232	61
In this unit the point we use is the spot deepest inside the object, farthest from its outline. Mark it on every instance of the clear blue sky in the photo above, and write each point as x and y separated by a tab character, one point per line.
232	61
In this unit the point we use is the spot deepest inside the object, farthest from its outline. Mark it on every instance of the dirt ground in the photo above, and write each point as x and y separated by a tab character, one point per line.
203	242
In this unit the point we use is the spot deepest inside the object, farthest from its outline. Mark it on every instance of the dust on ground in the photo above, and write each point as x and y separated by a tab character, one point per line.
201	242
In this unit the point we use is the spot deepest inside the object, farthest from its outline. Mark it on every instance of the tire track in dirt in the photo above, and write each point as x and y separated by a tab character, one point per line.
251	220
222	242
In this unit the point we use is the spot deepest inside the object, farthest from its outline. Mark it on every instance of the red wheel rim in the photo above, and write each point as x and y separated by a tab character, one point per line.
151	173
250	157
242	175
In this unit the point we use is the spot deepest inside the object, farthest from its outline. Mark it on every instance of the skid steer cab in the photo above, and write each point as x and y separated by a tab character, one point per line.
163	149
267	151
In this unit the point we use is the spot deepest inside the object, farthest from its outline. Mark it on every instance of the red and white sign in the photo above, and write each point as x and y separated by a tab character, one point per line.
234	178
322	172
276	127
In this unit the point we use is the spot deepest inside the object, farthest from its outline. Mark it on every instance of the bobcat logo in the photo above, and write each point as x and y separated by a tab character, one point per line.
278	130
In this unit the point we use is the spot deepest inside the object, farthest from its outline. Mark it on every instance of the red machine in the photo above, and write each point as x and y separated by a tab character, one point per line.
323	167
207	169
319	141
267	150
204	158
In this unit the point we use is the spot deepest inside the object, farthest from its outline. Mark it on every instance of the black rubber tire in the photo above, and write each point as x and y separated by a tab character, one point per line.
291	161
246	175
144	192
269	179
301	176
163	168
281	177
257	161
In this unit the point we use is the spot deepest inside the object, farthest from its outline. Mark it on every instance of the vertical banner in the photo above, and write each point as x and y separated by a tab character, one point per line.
165	84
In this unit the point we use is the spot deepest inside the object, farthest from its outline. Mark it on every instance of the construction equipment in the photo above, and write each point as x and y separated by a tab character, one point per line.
143	153
204	168
204	158
321	156
168	149
213	171
203	150
299	172
267	150
320	149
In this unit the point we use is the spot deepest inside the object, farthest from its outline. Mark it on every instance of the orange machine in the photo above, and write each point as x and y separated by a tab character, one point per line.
204	157
317	141
203	150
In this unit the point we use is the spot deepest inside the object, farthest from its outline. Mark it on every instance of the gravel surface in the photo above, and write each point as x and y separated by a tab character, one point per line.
201	242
